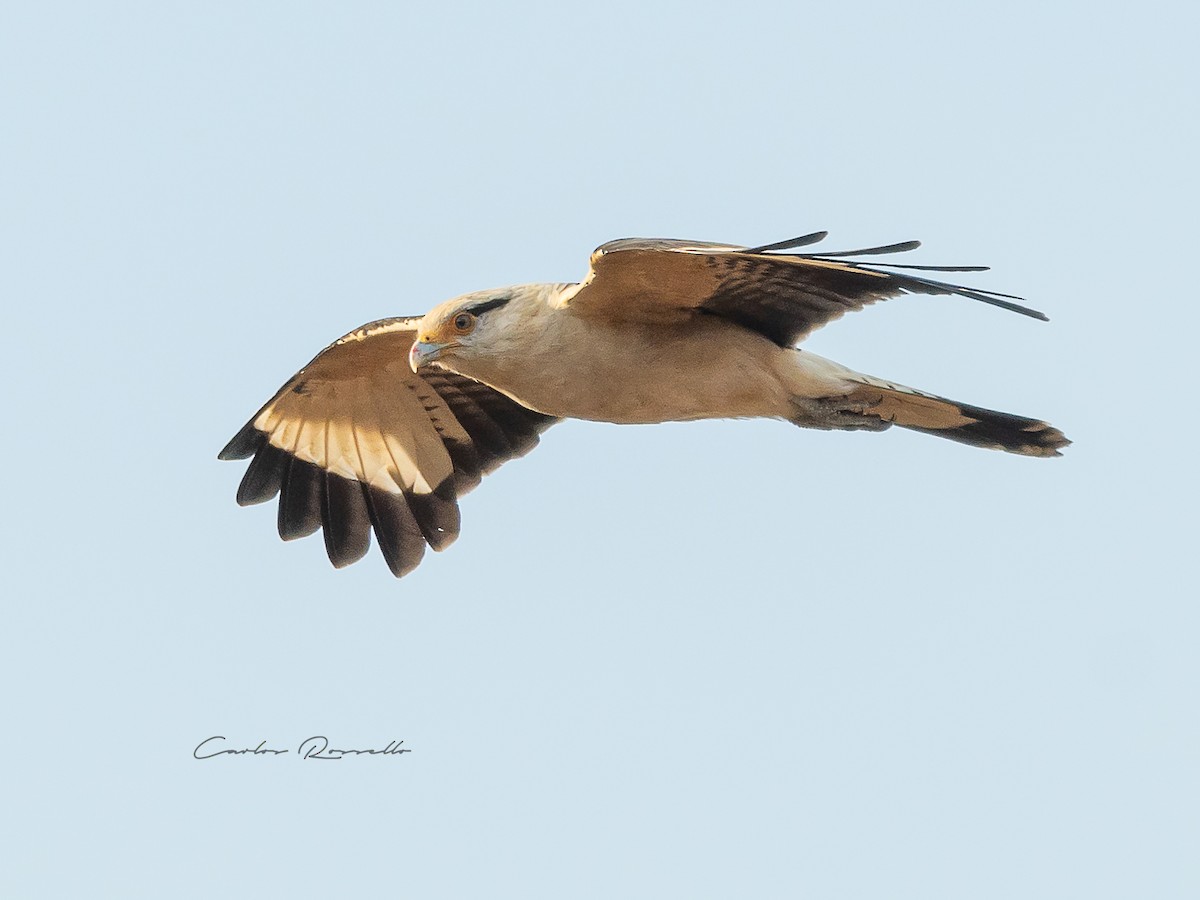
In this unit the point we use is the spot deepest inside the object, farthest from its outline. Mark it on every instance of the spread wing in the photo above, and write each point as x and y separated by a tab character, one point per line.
781	295
355	441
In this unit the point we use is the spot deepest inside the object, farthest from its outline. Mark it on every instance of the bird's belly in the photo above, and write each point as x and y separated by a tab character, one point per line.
627	382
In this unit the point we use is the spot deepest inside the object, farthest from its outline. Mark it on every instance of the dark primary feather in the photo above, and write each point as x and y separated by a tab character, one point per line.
761	290
901	247
399	535
242	445
347	522
437	515
263	477
908	283
362	377
301	500
791	243
892	265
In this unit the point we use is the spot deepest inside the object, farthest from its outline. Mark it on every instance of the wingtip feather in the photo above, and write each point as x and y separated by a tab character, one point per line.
244	444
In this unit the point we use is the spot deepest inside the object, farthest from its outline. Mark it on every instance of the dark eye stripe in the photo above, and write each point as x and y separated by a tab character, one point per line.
486	305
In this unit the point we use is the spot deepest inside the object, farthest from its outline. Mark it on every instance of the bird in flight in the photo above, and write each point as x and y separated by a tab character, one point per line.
388	426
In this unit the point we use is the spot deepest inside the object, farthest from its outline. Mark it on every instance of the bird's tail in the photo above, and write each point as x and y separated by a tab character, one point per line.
893	404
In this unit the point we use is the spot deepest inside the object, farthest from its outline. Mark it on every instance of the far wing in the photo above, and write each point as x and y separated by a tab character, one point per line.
355	441
783	296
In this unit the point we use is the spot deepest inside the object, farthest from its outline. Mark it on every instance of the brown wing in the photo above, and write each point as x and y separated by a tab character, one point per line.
356	441
783	296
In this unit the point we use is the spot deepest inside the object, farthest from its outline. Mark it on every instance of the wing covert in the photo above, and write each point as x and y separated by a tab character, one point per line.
783	296
356	442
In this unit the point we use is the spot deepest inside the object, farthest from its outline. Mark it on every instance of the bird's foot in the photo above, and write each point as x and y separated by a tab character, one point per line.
838	413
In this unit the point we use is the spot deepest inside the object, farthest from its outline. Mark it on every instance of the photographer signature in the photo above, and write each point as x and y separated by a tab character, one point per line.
315	747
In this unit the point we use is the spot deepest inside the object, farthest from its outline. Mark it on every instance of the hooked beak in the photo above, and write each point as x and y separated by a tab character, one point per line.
424	352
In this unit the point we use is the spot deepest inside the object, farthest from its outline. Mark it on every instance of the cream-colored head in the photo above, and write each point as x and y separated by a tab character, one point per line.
476	327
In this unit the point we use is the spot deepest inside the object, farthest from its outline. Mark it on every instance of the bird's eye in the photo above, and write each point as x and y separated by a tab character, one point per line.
464	322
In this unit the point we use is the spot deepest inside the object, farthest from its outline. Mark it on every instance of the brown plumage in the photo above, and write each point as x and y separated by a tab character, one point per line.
356	441
386	428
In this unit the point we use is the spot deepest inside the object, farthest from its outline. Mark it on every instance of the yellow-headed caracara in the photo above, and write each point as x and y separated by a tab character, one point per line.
387	427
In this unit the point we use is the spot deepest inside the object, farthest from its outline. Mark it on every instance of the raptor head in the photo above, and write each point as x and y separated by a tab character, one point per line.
458	327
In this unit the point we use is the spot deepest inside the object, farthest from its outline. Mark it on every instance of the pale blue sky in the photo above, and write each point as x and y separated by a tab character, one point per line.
706	660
